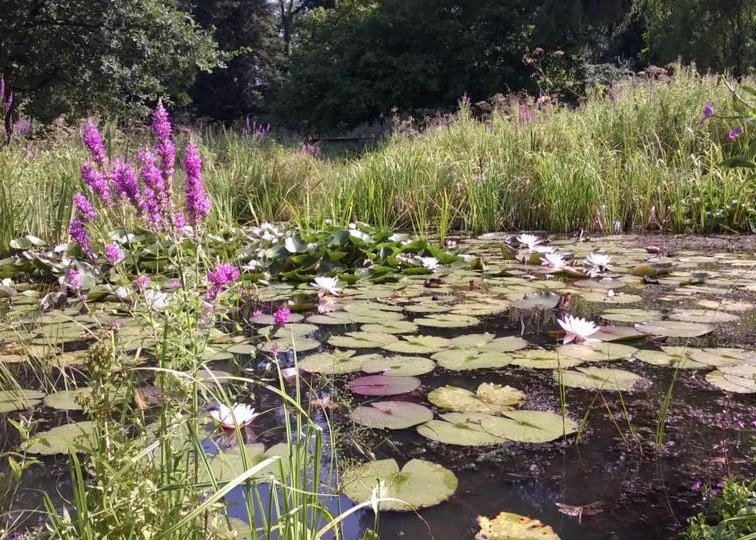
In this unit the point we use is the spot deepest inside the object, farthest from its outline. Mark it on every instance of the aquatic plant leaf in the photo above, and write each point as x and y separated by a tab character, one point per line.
461	429
674	329
727	305
628	315
731	383
544	359
447	320
242	348
617	333
382	385
19	400
391	414
390	327
59	440
469	341
489	398
722	356
509	526
537	300
506	344
228	464
708	316
337	318
463	359
740	370
669	359
418	344
67	399
296	329
427	307
419	484
332	363
393	366
597	352
608	298
605	379
267	320
529	426
362	340
299	344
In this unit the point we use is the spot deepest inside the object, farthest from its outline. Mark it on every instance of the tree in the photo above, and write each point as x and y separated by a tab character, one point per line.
81	56
291	10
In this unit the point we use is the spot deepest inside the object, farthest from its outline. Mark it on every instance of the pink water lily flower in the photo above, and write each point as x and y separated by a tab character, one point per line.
578	330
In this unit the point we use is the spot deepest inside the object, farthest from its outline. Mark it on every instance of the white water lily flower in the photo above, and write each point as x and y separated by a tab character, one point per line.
429	263
230	417
598	262
543	249
554	261
578	330
156	300
251	266
528	240
326	285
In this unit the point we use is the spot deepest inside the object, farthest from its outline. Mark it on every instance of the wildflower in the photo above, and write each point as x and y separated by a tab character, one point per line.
141	282
79	234
155	199
197	203
597	263
93	141
84	208
528	240
97	182
161	127
173	284
223	275
734	133
708	112
429	263
156	300
323	401
238	415
326	285
72	279
281	316
553	261
578	330
113	253
127	185
256	314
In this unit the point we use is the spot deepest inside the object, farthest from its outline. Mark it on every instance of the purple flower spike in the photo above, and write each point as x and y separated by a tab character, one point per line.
734	133
141	282
93	141
281	316
708	112
79	234
113	253
72	280
127	185
84	208
161	127
197	203
155	198
223	275
97	182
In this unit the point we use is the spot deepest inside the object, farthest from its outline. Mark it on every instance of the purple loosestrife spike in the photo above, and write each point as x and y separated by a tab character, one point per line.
153	180
2	89
113	253
197	203
79	234
219	278
141	282
72	280
97	182
708	112
84	208
93	141
161	127
734	133
127	185
281	316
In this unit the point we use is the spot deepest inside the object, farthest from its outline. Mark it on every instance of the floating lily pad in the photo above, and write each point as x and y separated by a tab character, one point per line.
228	464
529	426
242	348
295	329
469	341
419	484
268	320
461	429
722	356
382	385
508	526
391	414
299	344
489	398
608	298
59	440
390	327
732	383
597	352
607	379
19	400
333	363
669	359
67	399
544	359
674	329
708	316
427	307
447	320
627	315
462	360
418	345
617	333
727	305
537	300
358	340
396	365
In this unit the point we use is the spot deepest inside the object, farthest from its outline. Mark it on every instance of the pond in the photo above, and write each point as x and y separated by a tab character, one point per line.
461	370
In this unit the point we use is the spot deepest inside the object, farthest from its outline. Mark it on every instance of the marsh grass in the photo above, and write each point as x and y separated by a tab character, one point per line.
632	158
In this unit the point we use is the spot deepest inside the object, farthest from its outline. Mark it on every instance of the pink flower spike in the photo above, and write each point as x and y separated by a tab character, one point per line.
734	133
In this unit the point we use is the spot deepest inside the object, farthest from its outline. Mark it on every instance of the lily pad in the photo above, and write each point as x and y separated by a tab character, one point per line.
295	329
731	383
509	526
62	439
358	340
607	379
610	298
447	320
332	363
708	316
391	414
678	329
537	300
396	365
461	429
463	360
228	464
544	359
529	426
418	345
299	344
597	352
390	327
419	484
267	320
669	359
727	305
489	398
627	315
722	356
19	400
382	385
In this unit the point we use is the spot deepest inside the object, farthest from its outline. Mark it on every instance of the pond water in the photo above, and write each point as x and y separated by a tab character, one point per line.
651	438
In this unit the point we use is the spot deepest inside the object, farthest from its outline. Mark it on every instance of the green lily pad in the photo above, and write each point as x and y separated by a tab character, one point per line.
390	327
382	385
722	356
228	464
669	359
607	379
537	300
67	399
295	329
359	340
463	360
268	320
62	439
447	320
418	345
529	426
617	333
396	365
489	398
627	315
19	400
391	415
608	298
509	526
597	352
299	344
332	363
419	484
469	341
461	429
727	305
731	382
707	316
678	329
544	359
